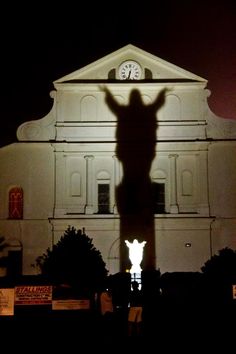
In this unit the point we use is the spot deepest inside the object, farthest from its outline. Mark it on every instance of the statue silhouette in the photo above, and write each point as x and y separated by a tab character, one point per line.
136	141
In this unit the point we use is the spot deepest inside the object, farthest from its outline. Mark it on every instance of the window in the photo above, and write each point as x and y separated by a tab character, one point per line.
158	194
148	74
103	198
112	74
16	203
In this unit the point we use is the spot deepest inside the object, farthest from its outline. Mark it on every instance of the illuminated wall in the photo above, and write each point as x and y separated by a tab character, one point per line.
67	166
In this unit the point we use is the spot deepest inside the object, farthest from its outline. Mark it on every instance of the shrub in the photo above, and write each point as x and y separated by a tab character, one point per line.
222	266
74	261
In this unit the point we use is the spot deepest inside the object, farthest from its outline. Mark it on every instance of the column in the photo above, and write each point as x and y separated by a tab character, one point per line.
116	180
201	188
174	209
89	184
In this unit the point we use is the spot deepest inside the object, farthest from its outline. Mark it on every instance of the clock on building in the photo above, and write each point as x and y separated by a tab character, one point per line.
130	70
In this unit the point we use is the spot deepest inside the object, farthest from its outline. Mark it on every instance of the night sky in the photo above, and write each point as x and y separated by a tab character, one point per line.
41	43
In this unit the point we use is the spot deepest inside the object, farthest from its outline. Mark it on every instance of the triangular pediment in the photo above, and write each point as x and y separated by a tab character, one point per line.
153	68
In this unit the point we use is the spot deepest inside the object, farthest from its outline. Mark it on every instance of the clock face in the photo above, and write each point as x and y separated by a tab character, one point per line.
130	70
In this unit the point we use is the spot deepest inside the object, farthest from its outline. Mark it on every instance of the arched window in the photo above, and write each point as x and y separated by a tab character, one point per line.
88	106
103	198
103	192
159	192
16	203
187	183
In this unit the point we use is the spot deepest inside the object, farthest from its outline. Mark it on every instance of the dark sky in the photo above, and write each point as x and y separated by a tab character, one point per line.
41	43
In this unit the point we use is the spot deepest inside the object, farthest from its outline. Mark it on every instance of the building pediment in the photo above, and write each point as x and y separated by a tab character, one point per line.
80	113
152	68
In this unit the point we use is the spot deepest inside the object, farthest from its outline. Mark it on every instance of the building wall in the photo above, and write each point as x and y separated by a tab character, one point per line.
185	237
31	167
79	168
182	244
61	159
85	103
222	177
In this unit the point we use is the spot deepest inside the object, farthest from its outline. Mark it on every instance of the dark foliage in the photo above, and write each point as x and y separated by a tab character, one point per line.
221	266
74	261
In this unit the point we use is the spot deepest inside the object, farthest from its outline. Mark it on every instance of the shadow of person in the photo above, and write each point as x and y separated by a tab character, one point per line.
136	142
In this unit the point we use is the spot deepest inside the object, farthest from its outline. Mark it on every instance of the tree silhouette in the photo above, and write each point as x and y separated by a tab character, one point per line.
222	266
219	275
74	261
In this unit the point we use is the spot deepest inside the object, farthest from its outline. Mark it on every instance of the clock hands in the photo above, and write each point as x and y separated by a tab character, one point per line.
130	70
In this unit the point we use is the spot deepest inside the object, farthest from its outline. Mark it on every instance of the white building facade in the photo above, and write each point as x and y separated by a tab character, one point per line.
64	169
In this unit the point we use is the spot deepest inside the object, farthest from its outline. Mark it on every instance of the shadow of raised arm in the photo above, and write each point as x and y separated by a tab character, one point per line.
109	99
160	99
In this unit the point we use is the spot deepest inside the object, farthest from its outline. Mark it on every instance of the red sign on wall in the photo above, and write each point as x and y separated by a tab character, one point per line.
234	291
33	295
